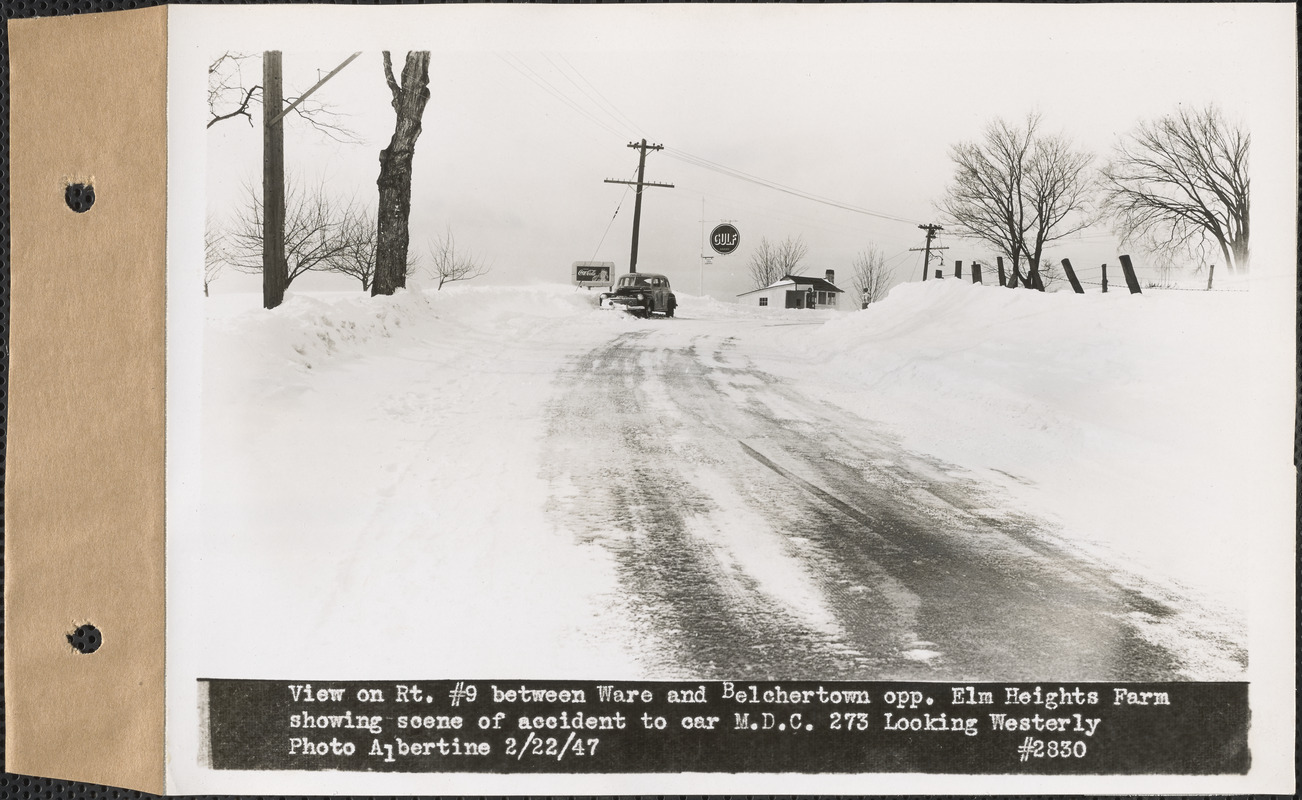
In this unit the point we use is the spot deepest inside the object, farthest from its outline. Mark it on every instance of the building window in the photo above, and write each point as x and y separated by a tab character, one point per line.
831	298
764	301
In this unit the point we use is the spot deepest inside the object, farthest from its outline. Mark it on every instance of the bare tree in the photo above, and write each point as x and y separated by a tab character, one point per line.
1050	273
763	258
1167	258
214	251
869	276
1181	180
356	254
771	262
314	227
231	95
393	236
448	265
1017	189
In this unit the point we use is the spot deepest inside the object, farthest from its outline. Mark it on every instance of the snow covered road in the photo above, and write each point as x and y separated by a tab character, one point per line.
538	489
759	534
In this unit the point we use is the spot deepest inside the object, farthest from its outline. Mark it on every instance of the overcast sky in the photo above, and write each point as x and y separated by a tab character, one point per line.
858	106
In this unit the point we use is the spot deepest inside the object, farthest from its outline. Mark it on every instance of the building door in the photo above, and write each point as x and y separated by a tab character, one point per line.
795	299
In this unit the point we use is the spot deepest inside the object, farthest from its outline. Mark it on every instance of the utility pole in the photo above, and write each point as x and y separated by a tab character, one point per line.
637	204
926	258
275	273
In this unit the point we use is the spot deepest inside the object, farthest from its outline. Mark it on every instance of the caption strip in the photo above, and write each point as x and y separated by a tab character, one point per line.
730	726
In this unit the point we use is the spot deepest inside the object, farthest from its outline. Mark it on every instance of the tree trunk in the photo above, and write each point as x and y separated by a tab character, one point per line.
1241	255
1015	280
1230	261
1033	278
392	234
1240	249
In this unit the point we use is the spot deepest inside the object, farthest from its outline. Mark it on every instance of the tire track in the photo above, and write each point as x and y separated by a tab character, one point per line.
681	459
633	484
999	597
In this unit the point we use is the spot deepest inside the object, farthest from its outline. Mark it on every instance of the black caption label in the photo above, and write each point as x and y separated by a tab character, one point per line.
505	726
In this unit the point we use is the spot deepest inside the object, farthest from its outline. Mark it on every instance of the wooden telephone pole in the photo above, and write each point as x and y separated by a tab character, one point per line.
637	204
275	272
926	258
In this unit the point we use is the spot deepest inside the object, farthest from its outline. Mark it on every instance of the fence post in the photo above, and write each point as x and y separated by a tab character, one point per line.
1071	276
976	272
958	269
1128	269
1105	278
1210	269
1003	280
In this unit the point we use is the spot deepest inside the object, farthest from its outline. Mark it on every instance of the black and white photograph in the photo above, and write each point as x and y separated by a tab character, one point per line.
881	343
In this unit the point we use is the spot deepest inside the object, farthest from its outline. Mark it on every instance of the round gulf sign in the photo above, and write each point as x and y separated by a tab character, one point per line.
724	238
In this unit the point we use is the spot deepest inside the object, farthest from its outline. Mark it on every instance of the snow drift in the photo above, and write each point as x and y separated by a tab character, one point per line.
1121	416
365	443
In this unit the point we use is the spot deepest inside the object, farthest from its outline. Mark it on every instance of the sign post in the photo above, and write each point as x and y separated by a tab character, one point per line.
723	240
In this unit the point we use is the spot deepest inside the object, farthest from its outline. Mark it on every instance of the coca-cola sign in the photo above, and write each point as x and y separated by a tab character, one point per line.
724	238
594	273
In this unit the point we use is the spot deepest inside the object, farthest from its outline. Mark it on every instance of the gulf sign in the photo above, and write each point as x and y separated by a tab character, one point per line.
724	238
594	273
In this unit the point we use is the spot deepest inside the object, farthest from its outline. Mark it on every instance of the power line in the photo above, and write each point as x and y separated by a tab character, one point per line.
618	206
585	93
889	259
546	86
610	110
735	173
603	99
704	163
780	212
620	118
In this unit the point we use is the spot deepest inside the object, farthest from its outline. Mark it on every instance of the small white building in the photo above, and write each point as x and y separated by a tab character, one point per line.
796	291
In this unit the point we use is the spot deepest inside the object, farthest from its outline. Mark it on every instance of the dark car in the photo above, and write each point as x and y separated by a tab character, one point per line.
643	293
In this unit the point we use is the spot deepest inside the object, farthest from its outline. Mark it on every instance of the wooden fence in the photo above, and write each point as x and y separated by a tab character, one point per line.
1036	282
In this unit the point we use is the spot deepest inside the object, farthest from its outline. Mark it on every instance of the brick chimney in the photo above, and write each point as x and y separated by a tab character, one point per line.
831	276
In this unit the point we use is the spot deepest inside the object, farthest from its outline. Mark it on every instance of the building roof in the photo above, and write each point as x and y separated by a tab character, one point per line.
817	284
813	283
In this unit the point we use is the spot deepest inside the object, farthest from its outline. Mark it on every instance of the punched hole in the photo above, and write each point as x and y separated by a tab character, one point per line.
86	639
79	197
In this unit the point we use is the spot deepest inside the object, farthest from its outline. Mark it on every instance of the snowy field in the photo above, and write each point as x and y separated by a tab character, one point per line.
395	455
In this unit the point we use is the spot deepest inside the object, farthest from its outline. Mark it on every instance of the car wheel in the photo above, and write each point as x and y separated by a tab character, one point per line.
673	304
650	308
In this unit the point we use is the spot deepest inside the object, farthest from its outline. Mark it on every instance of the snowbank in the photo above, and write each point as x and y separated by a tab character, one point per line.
310	329
1122	417
366	443
371	473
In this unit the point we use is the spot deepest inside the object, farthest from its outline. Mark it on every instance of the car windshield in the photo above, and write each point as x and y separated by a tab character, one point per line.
634	280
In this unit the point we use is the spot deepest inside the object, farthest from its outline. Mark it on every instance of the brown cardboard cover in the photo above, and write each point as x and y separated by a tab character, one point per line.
84	535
